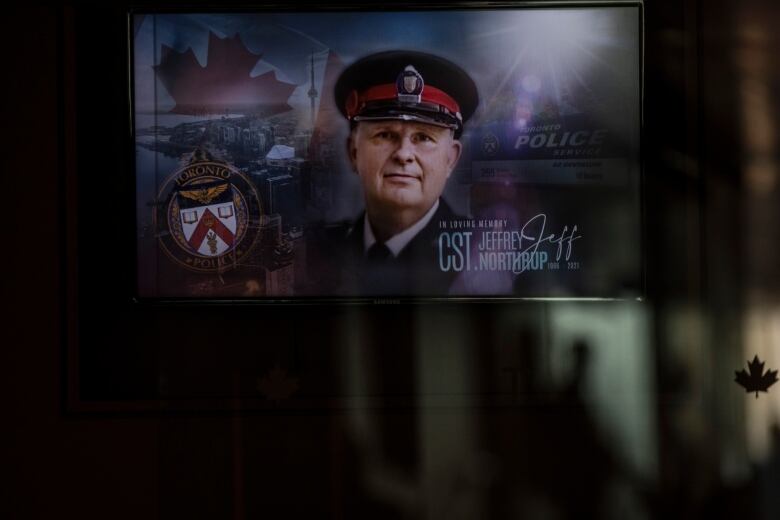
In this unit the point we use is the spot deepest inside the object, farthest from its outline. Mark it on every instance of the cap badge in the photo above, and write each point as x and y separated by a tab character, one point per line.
409	85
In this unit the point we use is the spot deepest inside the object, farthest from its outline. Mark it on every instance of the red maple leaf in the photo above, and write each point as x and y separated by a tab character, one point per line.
757	380
224	84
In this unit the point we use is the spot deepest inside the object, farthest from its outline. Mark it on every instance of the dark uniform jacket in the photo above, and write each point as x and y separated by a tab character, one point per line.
414	272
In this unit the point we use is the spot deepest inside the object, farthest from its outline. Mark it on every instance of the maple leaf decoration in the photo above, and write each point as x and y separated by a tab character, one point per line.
757	380
277	385
224	84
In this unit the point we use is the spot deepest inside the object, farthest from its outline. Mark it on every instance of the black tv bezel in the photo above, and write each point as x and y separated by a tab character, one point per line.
134	293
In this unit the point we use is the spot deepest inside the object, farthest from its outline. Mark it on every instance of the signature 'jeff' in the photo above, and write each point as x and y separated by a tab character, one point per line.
530	238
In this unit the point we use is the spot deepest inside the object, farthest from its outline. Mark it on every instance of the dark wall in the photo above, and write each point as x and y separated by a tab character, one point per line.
706	237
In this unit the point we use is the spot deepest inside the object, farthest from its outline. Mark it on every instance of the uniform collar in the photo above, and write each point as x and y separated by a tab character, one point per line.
398	242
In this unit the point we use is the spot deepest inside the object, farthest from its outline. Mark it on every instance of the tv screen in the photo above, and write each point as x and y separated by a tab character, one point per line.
473	153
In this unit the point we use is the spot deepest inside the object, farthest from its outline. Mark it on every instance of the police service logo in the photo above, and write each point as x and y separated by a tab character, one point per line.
409	84
204	216
490	144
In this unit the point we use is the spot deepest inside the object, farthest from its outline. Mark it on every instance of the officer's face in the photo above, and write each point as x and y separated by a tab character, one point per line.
402	165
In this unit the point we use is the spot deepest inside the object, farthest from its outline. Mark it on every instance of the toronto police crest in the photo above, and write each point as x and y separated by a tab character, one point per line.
204	215
490	144
409	85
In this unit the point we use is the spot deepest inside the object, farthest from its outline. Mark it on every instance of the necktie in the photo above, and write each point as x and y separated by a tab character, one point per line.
378	254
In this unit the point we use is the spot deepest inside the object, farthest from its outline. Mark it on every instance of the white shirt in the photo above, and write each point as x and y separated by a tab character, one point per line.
398	242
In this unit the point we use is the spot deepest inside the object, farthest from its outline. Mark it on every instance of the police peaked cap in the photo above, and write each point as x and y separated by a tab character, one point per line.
408	86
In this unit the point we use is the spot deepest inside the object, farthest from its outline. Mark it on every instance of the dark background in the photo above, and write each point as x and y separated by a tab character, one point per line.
389	411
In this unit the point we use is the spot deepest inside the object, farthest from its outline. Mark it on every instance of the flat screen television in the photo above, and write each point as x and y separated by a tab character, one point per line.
469	153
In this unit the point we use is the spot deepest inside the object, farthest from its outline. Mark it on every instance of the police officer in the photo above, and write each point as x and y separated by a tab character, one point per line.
406	111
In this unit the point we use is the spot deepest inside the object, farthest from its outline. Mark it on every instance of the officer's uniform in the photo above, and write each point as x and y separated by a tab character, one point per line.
406	86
